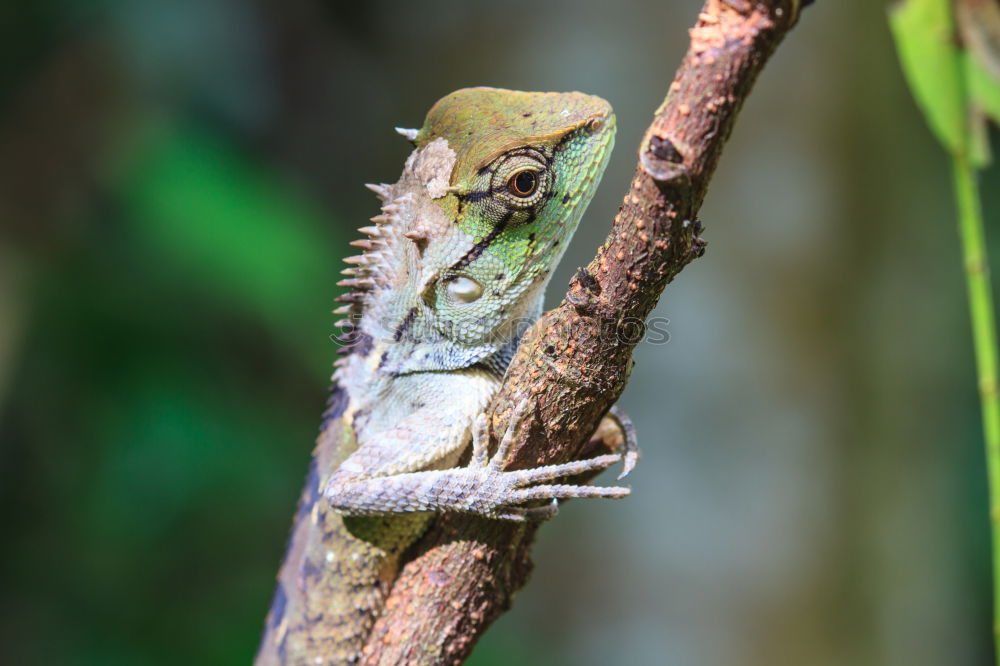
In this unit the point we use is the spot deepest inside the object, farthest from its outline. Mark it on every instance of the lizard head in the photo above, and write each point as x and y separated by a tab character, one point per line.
470	234
526	166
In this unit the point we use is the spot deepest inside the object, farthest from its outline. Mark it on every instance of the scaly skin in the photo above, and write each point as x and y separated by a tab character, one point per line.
451	274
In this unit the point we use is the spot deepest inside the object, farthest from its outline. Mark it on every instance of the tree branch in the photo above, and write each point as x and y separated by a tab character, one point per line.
575	361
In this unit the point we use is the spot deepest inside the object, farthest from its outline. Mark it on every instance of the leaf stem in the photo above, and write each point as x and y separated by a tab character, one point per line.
984	337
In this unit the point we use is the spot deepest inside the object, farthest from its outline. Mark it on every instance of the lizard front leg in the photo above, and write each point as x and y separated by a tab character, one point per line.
482	488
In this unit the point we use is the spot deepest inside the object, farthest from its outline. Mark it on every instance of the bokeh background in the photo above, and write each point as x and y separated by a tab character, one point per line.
178	183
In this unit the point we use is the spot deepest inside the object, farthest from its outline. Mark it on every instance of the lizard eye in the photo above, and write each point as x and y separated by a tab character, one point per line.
523	183
520	179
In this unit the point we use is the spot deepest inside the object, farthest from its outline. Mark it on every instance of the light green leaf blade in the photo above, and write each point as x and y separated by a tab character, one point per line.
984	88
924	31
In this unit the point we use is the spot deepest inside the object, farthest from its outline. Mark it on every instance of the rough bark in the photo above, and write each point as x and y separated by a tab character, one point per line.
574	362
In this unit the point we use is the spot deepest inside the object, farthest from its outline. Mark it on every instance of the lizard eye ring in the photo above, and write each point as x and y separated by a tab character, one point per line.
523	183
521	179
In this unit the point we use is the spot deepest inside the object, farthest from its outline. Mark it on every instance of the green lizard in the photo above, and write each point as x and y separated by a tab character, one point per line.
451	272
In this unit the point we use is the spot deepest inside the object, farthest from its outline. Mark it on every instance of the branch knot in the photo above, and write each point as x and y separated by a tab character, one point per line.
663	161
582	290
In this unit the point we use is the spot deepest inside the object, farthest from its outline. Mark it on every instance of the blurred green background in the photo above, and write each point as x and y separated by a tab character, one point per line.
178	183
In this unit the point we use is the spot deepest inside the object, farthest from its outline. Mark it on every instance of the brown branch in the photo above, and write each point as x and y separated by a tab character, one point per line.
574	362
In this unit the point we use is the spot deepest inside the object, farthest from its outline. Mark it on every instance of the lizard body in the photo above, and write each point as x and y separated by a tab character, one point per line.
453	270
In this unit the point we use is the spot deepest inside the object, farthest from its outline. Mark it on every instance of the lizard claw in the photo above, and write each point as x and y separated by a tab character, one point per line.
631	443
533	513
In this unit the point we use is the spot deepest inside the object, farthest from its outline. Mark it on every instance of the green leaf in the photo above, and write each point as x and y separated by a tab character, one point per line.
984	102
984	88
924	31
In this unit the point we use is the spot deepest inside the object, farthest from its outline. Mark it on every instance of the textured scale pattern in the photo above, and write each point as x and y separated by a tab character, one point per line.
451	271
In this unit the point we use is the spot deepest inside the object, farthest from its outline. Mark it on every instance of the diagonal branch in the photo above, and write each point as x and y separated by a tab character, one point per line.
575	361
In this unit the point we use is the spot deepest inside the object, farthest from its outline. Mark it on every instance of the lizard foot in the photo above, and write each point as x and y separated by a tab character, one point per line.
499	492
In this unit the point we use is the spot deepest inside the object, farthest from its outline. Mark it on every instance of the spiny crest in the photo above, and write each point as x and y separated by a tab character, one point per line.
392	247
374	267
